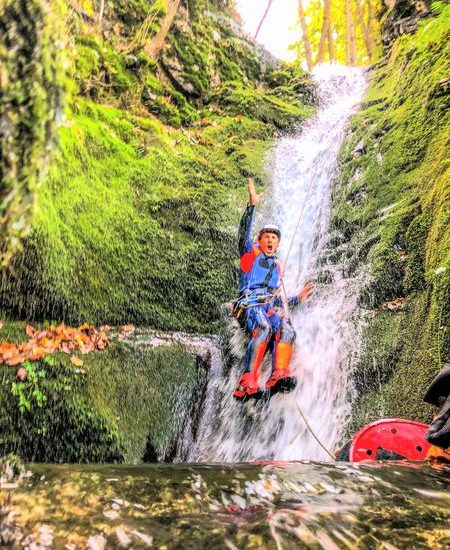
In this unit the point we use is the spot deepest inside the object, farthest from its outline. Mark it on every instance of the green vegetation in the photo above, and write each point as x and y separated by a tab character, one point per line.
393	205
127	403
135	221
33	82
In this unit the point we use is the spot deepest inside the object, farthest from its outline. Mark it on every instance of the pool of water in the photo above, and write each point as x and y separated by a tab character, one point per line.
259	505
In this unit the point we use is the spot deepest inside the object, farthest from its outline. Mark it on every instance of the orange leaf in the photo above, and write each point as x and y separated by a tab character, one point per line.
101	344
31	331
76	361
14	360
22	374
128	328
66	347
87	348
36	353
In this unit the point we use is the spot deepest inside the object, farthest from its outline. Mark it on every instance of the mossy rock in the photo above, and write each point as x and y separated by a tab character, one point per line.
405	207
128	403
136	221
33	82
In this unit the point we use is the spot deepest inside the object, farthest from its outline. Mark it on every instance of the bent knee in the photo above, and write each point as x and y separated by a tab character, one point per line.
288	334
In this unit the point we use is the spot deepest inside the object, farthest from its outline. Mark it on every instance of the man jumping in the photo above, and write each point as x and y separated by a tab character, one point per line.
259	308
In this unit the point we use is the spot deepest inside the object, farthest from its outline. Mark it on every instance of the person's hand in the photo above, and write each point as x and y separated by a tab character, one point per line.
305	292
253	197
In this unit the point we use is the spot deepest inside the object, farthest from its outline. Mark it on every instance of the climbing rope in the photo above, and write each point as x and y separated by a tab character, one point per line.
296	228
308	425
285	300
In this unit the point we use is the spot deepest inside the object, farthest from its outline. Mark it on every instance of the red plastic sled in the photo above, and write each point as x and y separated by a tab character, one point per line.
390	439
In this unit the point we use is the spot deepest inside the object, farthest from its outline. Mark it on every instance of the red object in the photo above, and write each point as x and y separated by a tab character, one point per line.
393	436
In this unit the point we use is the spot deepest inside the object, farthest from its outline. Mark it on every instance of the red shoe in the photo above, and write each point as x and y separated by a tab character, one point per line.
281	380
247	386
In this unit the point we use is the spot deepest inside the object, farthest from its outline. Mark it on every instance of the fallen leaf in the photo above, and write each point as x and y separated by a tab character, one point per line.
31	331
128	328
14	360
76	361
101	344
36	353
22	374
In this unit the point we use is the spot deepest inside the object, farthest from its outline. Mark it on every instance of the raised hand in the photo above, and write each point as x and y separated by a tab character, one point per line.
253	197
305	292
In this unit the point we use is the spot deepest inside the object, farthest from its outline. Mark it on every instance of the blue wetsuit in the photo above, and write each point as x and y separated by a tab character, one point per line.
259	306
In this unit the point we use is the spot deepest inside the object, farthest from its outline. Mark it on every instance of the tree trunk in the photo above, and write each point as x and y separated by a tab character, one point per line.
330	44
305	37
350	38
101	11
368	43
154	46
269	3
325	31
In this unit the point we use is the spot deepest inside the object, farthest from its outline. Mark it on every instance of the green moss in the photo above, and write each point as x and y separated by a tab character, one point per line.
239	100
132	226
130	403
134	223
396	195
100	69
32	67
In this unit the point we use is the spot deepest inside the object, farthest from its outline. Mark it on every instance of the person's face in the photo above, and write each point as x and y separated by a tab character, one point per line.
268	242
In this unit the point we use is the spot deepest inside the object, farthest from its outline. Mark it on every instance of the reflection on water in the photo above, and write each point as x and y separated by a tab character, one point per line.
276	505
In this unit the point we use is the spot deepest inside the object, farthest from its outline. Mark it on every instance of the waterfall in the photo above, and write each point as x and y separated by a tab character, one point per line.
302	168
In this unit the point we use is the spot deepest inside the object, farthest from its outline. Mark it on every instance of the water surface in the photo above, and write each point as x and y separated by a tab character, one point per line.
273	506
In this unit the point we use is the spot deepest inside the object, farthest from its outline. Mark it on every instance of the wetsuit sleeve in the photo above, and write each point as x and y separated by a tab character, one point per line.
245	231
293	301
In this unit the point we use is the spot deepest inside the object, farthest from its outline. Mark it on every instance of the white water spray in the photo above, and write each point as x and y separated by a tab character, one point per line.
303	167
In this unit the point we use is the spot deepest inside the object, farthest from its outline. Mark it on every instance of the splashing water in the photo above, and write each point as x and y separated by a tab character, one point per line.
303	167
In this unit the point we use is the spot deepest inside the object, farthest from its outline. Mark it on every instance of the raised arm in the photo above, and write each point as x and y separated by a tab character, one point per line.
245	231
245	227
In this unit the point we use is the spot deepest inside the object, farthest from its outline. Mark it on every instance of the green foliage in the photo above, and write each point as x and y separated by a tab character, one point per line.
33	82
131	402
314	13
396	197
29	391
241	100
121	237
134	223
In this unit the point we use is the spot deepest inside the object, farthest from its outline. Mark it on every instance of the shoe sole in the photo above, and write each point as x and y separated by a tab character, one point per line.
257	395
283	385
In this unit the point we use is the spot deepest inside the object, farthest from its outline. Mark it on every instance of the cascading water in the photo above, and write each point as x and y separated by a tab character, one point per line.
303	167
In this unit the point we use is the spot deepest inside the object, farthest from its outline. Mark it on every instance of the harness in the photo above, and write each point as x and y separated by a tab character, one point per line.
249	300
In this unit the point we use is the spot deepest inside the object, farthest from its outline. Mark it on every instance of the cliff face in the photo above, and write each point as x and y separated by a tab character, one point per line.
392	205
32	86
132	217
134	222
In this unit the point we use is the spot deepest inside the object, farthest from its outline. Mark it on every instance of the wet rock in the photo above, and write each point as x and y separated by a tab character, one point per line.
96	542
174	73
142	537
403	18
123	538
359	149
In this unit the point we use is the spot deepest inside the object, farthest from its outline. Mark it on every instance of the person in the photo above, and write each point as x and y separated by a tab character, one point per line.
438	434
259	307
